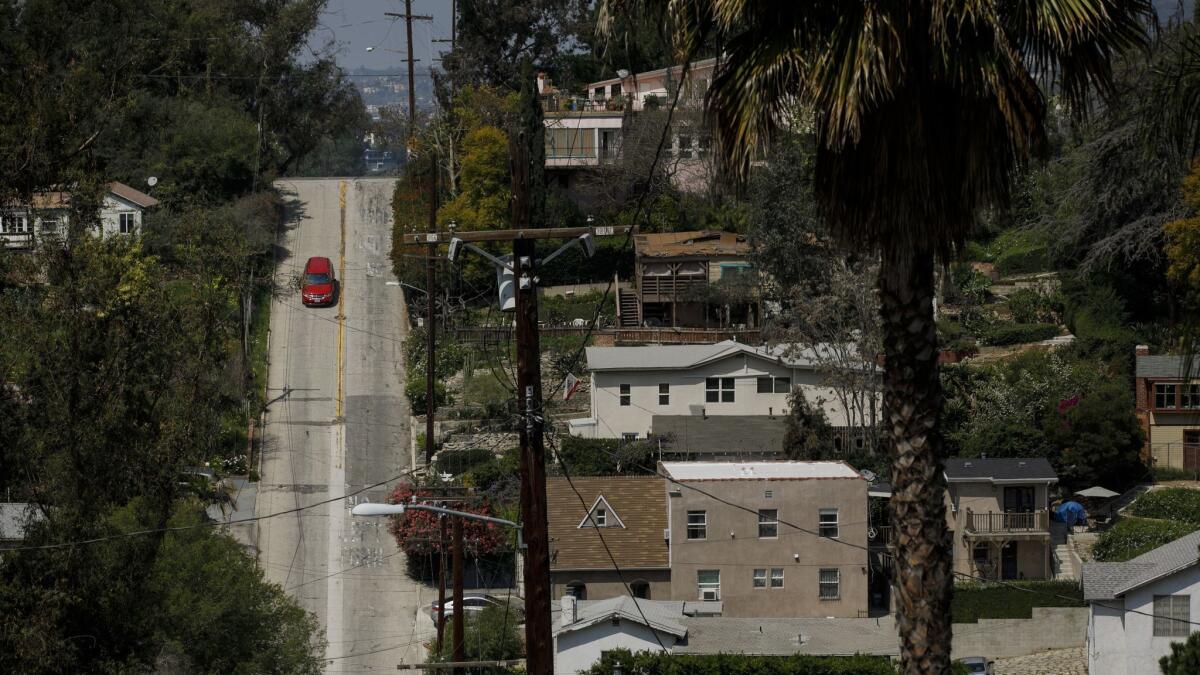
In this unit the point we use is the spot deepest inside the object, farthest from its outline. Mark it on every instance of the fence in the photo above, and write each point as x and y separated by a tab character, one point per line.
985	523
1176	455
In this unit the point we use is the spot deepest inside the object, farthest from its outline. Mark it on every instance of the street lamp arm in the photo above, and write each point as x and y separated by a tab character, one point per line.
370	509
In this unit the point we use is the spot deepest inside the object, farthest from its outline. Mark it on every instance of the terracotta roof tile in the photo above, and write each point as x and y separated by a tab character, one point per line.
639	501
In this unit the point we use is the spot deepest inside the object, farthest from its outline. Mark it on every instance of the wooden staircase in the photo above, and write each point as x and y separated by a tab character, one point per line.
630	309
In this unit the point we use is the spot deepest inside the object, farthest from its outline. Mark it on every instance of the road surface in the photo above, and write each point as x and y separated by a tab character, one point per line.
337	422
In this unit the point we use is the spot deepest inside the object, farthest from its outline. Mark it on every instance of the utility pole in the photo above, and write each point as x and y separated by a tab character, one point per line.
538	648
430	324
409	17
460	612
441	623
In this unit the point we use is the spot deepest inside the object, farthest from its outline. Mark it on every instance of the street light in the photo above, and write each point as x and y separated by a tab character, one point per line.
370	509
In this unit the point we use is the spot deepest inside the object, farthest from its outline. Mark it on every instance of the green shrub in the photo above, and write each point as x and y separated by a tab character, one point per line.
975	251
489	397
1028	305
1020	251
1182	504
1131	537
1008	601
1163	474
459	461
729	664
414	389
1005	333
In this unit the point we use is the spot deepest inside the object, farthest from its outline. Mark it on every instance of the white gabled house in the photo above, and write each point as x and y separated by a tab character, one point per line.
1138	608
22	226
633	385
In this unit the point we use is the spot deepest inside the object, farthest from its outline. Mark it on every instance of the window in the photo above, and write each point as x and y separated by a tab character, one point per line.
981	554
760	577
705	146
697	524
827	522
626	397
830	581
664	394
1172	614
774	385
126	223
50	226
641	589
598	94
14	224
776	577
768	523
685	147
709	583
599	516
1165	395
1190	398
718	390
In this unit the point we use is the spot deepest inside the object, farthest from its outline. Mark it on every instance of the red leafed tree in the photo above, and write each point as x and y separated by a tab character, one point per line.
417	533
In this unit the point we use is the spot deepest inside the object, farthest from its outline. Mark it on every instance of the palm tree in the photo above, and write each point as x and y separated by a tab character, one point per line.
921	110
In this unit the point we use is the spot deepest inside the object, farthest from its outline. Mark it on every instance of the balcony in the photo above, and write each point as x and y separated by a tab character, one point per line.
1007	524
669	288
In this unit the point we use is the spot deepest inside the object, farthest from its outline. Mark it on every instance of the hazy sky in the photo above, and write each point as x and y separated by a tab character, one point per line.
353	25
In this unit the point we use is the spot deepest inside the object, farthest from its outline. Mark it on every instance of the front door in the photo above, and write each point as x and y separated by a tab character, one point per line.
1018	499
1008	561
1191	449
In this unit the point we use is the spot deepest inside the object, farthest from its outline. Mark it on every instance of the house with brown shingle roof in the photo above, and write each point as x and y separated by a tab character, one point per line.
683	279
45	216
629	514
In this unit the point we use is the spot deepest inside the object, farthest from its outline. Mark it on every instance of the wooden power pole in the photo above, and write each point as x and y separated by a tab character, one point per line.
460	612
409	17
441	621
430	324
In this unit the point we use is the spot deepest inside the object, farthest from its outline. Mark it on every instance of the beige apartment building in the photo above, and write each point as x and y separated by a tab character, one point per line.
999	516
769	539
629	514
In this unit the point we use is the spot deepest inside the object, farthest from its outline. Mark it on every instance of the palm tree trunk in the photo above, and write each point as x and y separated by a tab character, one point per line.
912	405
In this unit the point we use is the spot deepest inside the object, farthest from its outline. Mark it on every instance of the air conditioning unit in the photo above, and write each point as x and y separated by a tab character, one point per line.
709	595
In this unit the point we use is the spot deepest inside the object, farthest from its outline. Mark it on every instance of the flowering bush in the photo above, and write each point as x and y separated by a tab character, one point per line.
1169	504
418	533
1132	537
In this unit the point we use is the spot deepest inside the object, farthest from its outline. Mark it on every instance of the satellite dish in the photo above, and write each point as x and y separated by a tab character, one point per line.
152	181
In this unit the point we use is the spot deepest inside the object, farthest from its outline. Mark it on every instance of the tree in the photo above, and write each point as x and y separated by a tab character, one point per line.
1099	438
484	183
418	533
920	112
492	634
807	432
1184	657
494	36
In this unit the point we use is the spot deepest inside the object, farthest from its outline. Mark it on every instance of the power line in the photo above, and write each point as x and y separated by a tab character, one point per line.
179	528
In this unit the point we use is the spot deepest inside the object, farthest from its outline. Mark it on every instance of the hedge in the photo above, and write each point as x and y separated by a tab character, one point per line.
1008	601
647	663
1019	251
1182	504
1005	333
1131	537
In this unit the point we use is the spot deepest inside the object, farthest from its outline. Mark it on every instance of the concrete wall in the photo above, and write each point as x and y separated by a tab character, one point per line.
605	584
1123	639
733	547
1050	628
577	650
687	388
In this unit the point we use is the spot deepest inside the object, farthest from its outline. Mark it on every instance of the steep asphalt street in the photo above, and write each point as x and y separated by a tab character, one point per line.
338	422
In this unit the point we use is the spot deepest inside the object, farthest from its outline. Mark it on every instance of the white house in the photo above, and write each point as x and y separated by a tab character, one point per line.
632	385
1142	606
588	629
45	217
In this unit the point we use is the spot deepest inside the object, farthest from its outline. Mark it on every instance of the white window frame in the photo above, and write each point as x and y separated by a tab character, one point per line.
823	524
720	390
772	523
1172	616
610	518
776	576
759	577
702	586
771	384
702	526
836	583
664	393
14	223
126	222
624	395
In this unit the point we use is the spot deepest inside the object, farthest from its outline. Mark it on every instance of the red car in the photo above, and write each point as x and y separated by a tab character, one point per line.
318	288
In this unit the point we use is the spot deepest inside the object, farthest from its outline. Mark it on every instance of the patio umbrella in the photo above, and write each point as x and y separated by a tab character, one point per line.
1097	492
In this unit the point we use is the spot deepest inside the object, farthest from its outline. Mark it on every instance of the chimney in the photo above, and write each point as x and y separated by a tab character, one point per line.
1141	350
570	610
